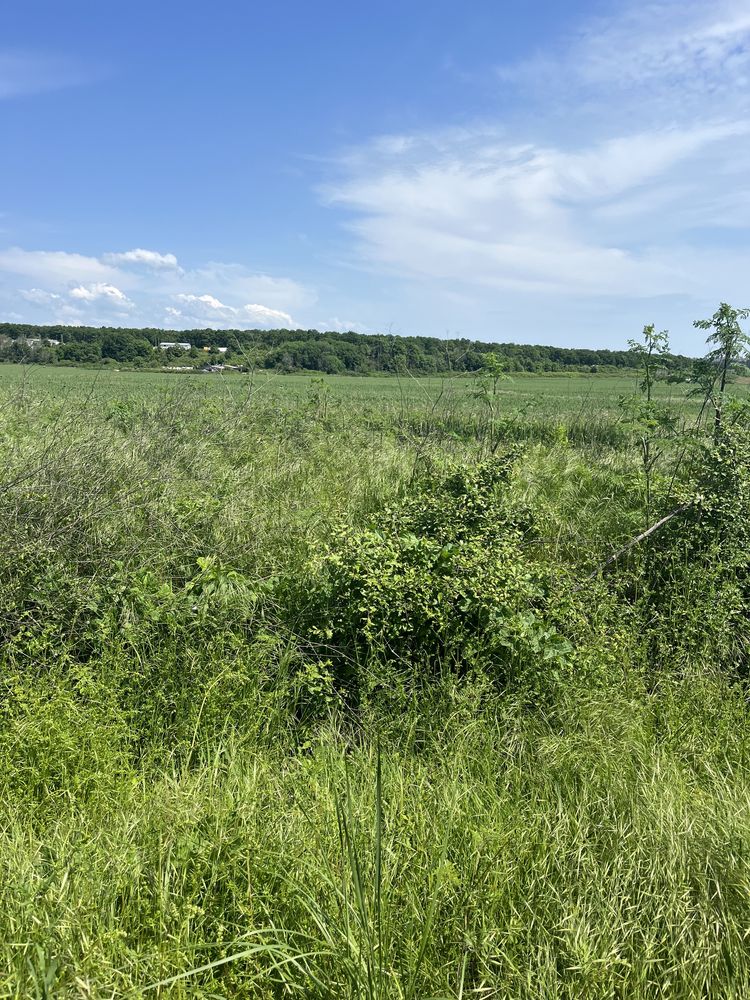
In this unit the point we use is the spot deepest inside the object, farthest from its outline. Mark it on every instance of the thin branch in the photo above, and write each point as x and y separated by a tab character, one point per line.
639	538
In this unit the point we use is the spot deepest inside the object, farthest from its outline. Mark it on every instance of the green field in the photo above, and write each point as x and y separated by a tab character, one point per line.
574	389
575	397
317	688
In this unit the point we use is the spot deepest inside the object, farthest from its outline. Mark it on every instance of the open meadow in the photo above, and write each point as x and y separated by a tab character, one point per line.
325	687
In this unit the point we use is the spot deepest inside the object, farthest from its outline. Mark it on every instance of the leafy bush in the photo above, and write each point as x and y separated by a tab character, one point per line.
698	571
439	579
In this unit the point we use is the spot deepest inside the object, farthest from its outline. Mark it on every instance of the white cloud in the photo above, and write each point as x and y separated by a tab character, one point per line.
240	283
466	207
263	316
149	258
101	290
617	174
39	296
202	310
151	286
207	301
55	266
207	308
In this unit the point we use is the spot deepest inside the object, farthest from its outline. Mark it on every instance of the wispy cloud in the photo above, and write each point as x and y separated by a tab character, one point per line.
624	162
235	281
55	266
25	72
668	49
39	297
145	258
471	208
342	325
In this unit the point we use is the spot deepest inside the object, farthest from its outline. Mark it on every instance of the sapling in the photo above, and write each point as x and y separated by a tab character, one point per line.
492	372
717	366
649	419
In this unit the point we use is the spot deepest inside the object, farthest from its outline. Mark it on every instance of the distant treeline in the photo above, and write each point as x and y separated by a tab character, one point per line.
296	350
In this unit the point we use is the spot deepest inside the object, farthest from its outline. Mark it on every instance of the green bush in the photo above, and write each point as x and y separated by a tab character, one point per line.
698	570
439	579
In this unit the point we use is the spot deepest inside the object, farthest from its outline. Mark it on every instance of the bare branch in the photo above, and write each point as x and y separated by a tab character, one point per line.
639	538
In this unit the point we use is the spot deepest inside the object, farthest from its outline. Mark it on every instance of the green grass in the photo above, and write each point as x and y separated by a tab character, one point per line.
556	392
193	807
595	858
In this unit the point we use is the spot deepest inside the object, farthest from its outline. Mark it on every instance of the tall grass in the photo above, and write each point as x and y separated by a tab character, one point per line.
597	856
176	820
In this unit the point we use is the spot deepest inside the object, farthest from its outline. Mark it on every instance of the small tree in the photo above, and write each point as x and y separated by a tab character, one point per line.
648	418
492	372
494	369
730	340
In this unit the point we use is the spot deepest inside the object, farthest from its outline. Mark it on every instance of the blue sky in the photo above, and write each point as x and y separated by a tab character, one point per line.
538	172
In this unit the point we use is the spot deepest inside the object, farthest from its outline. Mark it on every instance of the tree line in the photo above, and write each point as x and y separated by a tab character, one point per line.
300	350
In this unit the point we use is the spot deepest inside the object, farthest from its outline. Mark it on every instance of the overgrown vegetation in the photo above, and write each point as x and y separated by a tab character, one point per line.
328	688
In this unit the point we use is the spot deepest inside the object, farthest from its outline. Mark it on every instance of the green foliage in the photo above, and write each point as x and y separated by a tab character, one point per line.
536	783
699	578
493	371
308	350
649	419
730	340
439	579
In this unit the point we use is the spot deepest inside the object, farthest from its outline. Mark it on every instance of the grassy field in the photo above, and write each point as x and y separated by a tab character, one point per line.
580	401
569	391
315	688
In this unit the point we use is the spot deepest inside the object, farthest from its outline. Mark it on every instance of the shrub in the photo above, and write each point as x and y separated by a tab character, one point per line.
439	579
698	569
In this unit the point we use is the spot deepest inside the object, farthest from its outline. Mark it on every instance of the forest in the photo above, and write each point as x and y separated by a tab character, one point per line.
299	350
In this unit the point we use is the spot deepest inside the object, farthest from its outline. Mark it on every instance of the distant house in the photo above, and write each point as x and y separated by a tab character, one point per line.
221	350
38	341
166	344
